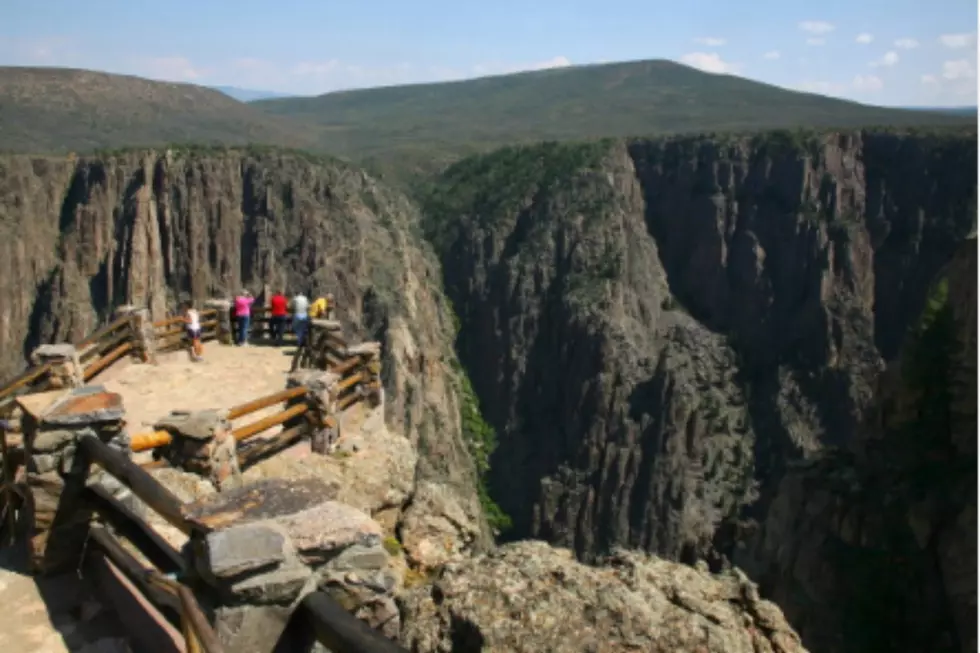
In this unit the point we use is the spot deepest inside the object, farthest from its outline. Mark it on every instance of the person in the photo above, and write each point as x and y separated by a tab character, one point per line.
243	316
318	309
300	307
193	321
277	319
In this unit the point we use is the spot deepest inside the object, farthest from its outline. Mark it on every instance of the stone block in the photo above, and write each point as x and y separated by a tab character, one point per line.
275	587
203	443
52	440
249	628
143	331
223	307
359	557
321	532
241	549
265	499
196	425
84	406
67	370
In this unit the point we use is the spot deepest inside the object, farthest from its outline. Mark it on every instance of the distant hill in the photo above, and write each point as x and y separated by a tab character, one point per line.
956	111
61	109
248	94
428	124
406	131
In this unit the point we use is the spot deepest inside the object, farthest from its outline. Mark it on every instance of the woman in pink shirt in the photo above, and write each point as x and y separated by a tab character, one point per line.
243	315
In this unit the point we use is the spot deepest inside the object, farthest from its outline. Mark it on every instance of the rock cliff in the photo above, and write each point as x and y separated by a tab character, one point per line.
884	557
655	328
530	597
81	236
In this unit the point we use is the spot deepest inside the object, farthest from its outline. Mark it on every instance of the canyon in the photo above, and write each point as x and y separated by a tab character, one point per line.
678	345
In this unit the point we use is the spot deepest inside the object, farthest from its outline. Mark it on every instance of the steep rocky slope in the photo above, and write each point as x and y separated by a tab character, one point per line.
149	228
529	597
655	328
885	555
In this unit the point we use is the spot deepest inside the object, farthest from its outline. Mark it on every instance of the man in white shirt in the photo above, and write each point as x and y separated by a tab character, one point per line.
300	307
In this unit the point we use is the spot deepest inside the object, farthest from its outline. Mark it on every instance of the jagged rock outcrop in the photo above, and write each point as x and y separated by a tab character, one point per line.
147	228
654	328
531	597
875	547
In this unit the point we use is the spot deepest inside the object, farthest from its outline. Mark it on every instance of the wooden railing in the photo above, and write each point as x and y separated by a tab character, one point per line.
169	596
334	627
170	334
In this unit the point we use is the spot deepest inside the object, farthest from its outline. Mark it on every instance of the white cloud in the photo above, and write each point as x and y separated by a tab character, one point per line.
815	41
959	69
555	62
864	37
772	54
956	41
867	83
710	41
906	44
709	62
890	58
929	79
817	27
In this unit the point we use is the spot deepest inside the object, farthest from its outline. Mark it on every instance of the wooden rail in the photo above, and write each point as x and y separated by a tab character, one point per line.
174	599
24	379
151	440
98	366
256	427
139	481
264	402
342	632
98	334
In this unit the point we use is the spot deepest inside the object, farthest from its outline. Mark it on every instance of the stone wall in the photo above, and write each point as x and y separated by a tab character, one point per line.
290	538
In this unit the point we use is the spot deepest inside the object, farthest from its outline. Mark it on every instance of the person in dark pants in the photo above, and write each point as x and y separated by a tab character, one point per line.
243	316
277	316
301	307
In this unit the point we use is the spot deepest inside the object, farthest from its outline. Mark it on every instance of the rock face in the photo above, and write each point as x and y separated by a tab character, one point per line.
885	557
655	328
145	229
531	597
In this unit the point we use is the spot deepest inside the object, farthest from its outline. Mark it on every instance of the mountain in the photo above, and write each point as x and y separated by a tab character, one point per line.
956	111
61	110
660	331
248	94
430	124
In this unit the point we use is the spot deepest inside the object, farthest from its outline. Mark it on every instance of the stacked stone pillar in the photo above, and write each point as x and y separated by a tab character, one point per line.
322	399
144	336
53	424
202	443
225	326
290	538
66	370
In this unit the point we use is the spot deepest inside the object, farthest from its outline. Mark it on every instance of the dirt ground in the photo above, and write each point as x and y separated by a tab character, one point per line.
227	376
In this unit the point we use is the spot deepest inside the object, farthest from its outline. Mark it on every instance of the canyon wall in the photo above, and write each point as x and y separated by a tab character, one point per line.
151	228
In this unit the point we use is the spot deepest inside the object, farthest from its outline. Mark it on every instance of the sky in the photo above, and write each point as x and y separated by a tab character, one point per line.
888	52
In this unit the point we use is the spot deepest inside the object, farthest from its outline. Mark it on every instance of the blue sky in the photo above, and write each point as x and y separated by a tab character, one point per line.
894	52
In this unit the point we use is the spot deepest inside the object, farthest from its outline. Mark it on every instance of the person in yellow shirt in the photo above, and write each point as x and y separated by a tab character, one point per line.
321	307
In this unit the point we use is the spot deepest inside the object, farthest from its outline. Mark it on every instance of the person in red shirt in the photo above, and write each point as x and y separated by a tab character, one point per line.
278	314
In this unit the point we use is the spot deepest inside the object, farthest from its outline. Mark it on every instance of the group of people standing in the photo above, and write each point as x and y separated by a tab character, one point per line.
299	309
